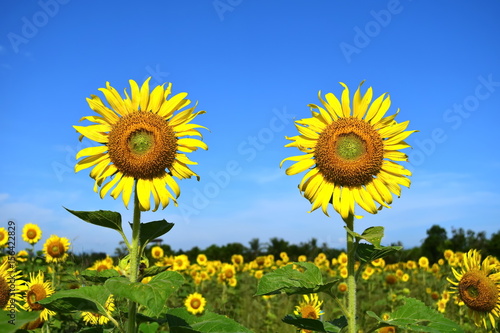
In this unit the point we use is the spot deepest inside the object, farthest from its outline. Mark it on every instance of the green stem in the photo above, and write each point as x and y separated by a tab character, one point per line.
351	280
134	258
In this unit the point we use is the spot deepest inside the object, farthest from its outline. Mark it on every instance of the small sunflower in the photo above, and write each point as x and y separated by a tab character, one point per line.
31	233
350	154
195	303
56	249
140	140
4	237
101	265
478	286
202	259
157	252
11	287
38	290
97	318
310	308
22	256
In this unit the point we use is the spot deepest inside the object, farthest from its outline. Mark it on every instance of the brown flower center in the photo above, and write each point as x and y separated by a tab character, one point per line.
31	234
36	293
4	293
308	311
56	249
478	291
142	145
195	303
349	152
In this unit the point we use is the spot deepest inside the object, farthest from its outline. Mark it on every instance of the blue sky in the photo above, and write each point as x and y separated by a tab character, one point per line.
253	66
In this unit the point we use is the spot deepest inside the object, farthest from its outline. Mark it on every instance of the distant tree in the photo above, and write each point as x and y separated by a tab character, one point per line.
493	245
256	247
435	243
464	241
276	246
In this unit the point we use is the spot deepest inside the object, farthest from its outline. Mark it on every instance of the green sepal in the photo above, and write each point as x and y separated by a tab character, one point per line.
103	218
292	281
415	316
153	295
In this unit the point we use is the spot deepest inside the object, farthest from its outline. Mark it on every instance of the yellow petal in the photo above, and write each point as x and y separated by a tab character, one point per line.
110	184
297	158
136	95
384	107
175	103
156	99
398	138
172	184
87	162
145	97
311	173
96	104
328	107
372	190
382	190
128	187
192	143
373	109
114	99
389	131
96	133
144	192
300	166
91	151
335	104
346	108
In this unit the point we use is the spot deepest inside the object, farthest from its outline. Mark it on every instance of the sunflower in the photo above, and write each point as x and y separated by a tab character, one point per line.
195	303
350	154
309	308
56	249
4	237
38	290
157	252
101	265
478	286
140	140
11	287
97	318
31	233
201	259
22	256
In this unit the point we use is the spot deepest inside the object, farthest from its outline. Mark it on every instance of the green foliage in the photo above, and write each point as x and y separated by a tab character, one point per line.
296	278
312	324
99	276
181	321
91	298
103	218
415	316
12	322
153	295
153	230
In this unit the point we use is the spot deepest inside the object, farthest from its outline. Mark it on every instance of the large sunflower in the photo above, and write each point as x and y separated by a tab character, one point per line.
140	140
350	153
38	290
11	286
478	286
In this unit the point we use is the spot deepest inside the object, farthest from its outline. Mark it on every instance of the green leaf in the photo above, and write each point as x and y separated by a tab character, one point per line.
181	321
291	281
154	270
368	252
149	327
311	324
373	235
415	316
103	218
90	298
153	230
153	295
95	276
10	322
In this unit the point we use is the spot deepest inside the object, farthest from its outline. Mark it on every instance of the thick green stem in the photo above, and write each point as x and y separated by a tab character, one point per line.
134	259
351	279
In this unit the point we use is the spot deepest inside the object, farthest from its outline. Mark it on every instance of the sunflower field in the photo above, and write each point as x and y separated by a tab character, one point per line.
215	290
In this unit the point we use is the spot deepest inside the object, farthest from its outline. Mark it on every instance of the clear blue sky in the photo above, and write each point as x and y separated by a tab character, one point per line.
253	66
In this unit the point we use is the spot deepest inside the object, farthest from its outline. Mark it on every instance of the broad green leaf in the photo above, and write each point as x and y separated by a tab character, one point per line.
311	324
90	298
152	230
153	295
368	252
148	327
415	316
95	276
103	218
154	270
181	321
305	278
373	235
10	322
92	330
